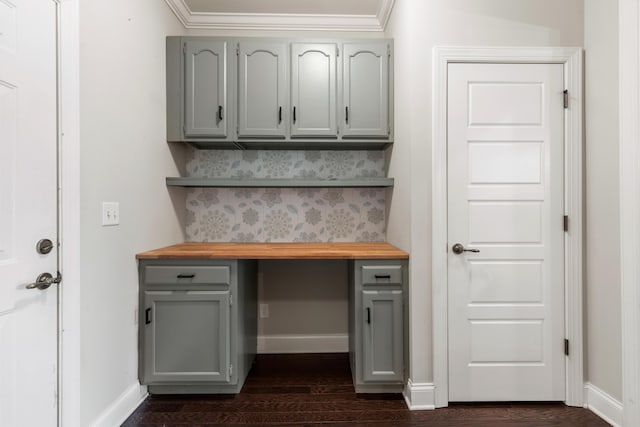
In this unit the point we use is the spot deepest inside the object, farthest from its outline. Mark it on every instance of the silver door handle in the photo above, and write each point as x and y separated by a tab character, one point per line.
458	249
44	280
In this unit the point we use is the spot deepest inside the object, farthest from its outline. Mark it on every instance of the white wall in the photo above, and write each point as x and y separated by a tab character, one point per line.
603	304
124	158
307	306
418	26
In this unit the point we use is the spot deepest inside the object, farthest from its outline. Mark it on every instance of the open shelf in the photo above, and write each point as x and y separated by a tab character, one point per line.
279	182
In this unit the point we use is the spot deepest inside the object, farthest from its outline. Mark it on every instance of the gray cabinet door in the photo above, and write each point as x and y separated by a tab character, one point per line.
313	90
366	90
205	83
262	89
382	335
186	336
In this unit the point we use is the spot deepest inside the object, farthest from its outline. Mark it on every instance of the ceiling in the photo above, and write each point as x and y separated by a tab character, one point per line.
309	15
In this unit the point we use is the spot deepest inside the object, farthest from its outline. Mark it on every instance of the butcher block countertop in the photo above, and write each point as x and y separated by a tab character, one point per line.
364	250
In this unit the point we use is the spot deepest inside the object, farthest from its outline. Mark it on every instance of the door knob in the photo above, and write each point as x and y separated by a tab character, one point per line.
458	249
44	280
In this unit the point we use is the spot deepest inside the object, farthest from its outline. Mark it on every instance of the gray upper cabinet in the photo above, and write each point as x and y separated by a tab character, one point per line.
314	90
205	91
261	93
365	94
262	89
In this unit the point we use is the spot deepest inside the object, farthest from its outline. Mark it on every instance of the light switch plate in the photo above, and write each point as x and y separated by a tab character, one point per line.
110	213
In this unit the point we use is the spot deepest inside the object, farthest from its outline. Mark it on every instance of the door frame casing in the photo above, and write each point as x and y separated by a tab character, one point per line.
629	104
571	59
69	340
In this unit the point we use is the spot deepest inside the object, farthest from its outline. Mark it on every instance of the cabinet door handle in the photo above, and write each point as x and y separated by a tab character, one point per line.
368	315
382	276
220	111
294	114
346	114
147	316
186	276
279	115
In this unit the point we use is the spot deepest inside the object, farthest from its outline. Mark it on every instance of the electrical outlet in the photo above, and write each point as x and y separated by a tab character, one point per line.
110	213
264	311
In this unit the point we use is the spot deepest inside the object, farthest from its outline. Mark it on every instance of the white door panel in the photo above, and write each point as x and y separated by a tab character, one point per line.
28	212
505	199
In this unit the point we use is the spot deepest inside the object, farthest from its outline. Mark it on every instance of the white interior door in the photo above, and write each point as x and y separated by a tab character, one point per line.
28	212
505	202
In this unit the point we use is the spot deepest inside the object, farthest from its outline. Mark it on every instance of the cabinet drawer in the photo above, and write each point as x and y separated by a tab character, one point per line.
381	274
188	274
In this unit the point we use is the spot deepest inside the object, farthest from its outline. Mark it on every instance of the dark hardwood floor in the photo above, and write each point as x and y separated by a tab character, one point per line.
314	389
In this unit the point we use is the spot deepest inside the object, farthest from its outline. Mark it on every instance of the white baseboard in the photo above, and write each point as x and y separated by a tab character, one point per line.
116	413
420	396
332	343
603	405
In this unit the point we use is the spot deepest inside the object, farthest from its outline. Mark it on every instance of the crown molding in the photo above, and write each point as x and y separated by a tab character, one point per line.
384	13
281	22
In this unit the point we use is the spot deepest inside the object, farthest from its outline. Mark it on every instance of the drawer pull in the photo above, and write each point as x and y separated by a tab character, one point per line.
147	316
382	276
368	315
186	276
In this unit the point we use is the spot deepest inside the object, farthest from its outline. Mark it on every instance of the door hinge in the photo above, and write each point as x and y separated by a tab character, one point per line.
389	51
230	300
566	223
338	51
238	49
566	347
230	370
566	98
184	48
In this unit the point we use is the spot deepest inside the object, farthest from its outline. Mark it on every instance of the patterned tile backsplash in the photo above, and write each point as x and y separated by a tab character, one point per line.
285	214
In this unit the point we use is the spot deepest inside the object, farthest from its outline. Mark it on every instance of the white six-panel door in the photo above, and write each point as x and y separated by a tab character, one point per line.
505	200
28	212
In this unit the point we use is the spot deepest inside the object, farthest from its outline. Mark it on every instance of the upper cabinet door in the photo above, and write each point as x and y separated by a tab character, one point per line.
313	90
366	90
205	81
262	89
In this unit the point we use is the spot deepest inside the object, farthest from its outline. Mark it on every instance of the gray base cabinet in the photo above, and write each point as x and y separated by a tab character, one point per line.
198	321
197	325
377	325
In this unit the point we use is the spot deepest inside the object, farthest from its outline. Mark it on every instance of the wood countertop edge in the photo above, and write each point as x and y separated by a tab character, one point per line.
318	251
